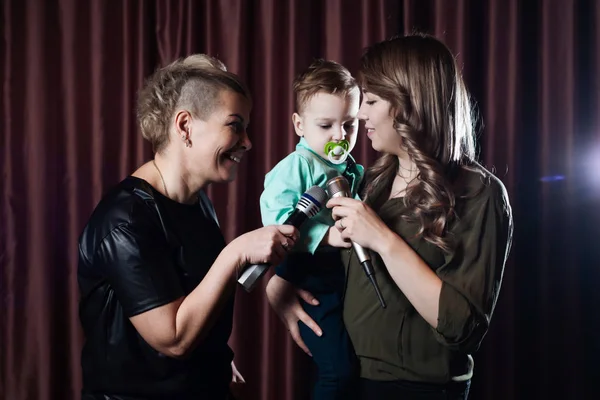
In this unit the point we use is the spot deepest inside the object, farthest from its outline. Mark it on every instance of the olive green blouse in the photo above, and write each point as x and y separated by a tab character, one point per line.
396	342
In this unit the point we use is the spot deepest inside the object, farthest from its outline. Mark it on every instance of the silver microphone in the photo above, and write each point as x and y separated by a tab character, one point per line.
310	203
339	187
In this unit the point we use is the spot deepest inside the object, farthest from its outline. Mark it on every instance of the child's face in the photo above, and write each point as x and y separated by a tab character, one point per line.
328	118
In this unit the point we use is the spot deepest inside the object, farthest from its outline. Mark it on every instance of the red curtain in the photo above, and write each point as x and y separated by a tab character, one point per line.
69	74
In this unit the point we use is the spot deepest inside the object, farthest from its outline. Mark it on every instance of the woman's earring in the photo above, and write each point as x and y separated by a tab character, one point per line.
186	140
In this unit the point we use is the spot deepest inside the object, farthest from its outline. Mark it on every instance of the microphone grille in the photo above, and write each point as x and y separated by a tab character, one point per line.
338	186
318	194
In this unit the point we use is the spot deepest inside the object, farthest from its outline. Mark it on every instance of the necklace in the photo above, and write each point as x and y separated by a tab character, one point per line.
161	178
406	179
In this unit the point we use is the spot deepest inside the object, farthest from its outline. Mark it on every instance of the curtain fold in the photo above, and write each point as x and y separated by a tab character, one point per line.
69	75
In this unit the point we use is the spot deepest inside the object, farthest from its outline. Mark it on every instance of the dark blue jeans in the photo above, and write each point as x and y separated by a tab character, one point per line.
323	275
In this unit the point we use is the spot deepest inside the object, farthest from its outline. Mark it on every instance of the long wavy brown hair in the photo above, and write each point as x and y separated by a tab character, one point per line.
432	113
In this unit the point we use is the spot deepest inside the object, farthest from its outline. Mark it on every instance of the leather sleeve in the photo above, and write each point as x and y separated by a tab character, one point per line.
134	258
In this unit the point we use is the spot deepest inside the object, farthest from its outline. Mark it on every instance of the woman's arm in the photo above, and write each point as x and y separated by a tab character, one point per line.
139	269
175	328
458	298
412	275
358	222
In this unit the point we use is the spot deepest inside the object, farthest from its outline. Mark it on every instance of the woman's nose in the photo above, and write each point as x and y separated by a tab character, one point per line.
361	113
245	141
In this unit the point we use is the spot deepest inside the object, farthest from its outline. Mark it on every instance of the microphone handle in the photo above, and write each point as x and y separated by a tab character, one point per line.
339	187
368	268
296	219
365	261
361	253
251	275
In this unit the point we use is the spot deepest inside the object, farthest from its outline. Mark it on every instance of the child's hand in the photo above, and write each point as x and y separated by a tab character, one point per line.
334	238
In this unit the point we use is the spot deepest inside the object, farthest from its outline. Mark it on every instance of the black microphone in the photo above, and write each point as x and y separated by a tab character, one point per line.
339	187
308	206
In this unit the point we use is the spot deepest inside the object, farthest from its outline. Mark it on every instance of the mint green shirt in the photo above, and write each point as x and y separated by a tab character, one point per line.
293	176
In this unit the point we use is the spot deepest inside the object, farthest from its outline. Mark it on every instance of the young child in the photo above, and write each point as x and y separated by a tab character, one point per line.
327	98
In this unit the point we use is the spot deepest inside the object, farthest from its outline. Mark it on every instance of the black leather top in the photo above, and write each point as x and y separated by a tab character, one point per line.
141	250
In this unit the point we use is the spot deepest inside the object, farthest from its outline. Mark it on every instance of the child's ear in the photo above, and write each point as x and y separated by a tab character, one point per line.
298	124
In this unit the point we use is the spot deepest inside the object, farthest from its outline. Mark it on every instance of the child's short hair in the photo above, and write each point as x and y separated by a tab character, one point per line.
323	76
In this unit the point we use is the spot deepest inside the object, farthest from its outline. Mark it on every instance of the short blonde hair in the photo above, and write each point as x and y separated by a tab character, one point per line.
204	61
193	83
323	76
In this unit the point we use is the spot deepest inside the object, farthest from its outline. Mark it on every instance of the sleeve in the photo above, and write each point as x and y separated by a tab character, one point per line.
472	276
135	260
284	185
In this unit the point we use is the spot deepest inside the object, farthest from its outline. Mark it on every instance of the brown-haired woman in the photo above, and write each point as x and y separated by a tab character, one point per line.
438	223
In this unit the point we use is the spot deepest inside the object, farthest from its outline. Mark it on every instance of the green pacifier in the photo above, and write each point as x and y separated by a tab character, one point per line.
337	149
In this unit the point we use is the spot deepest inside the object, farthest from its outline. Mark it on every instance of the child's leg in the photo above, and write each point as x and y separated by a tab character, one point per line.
323	275
337	365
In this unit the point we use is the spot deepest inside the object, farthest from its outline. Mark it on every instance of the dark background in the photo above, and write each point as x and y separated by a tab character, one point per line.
69	74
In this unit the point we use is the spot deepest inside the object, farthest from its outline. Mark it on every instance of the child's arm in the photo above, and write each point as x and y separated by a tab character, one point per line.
284	185
333	237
